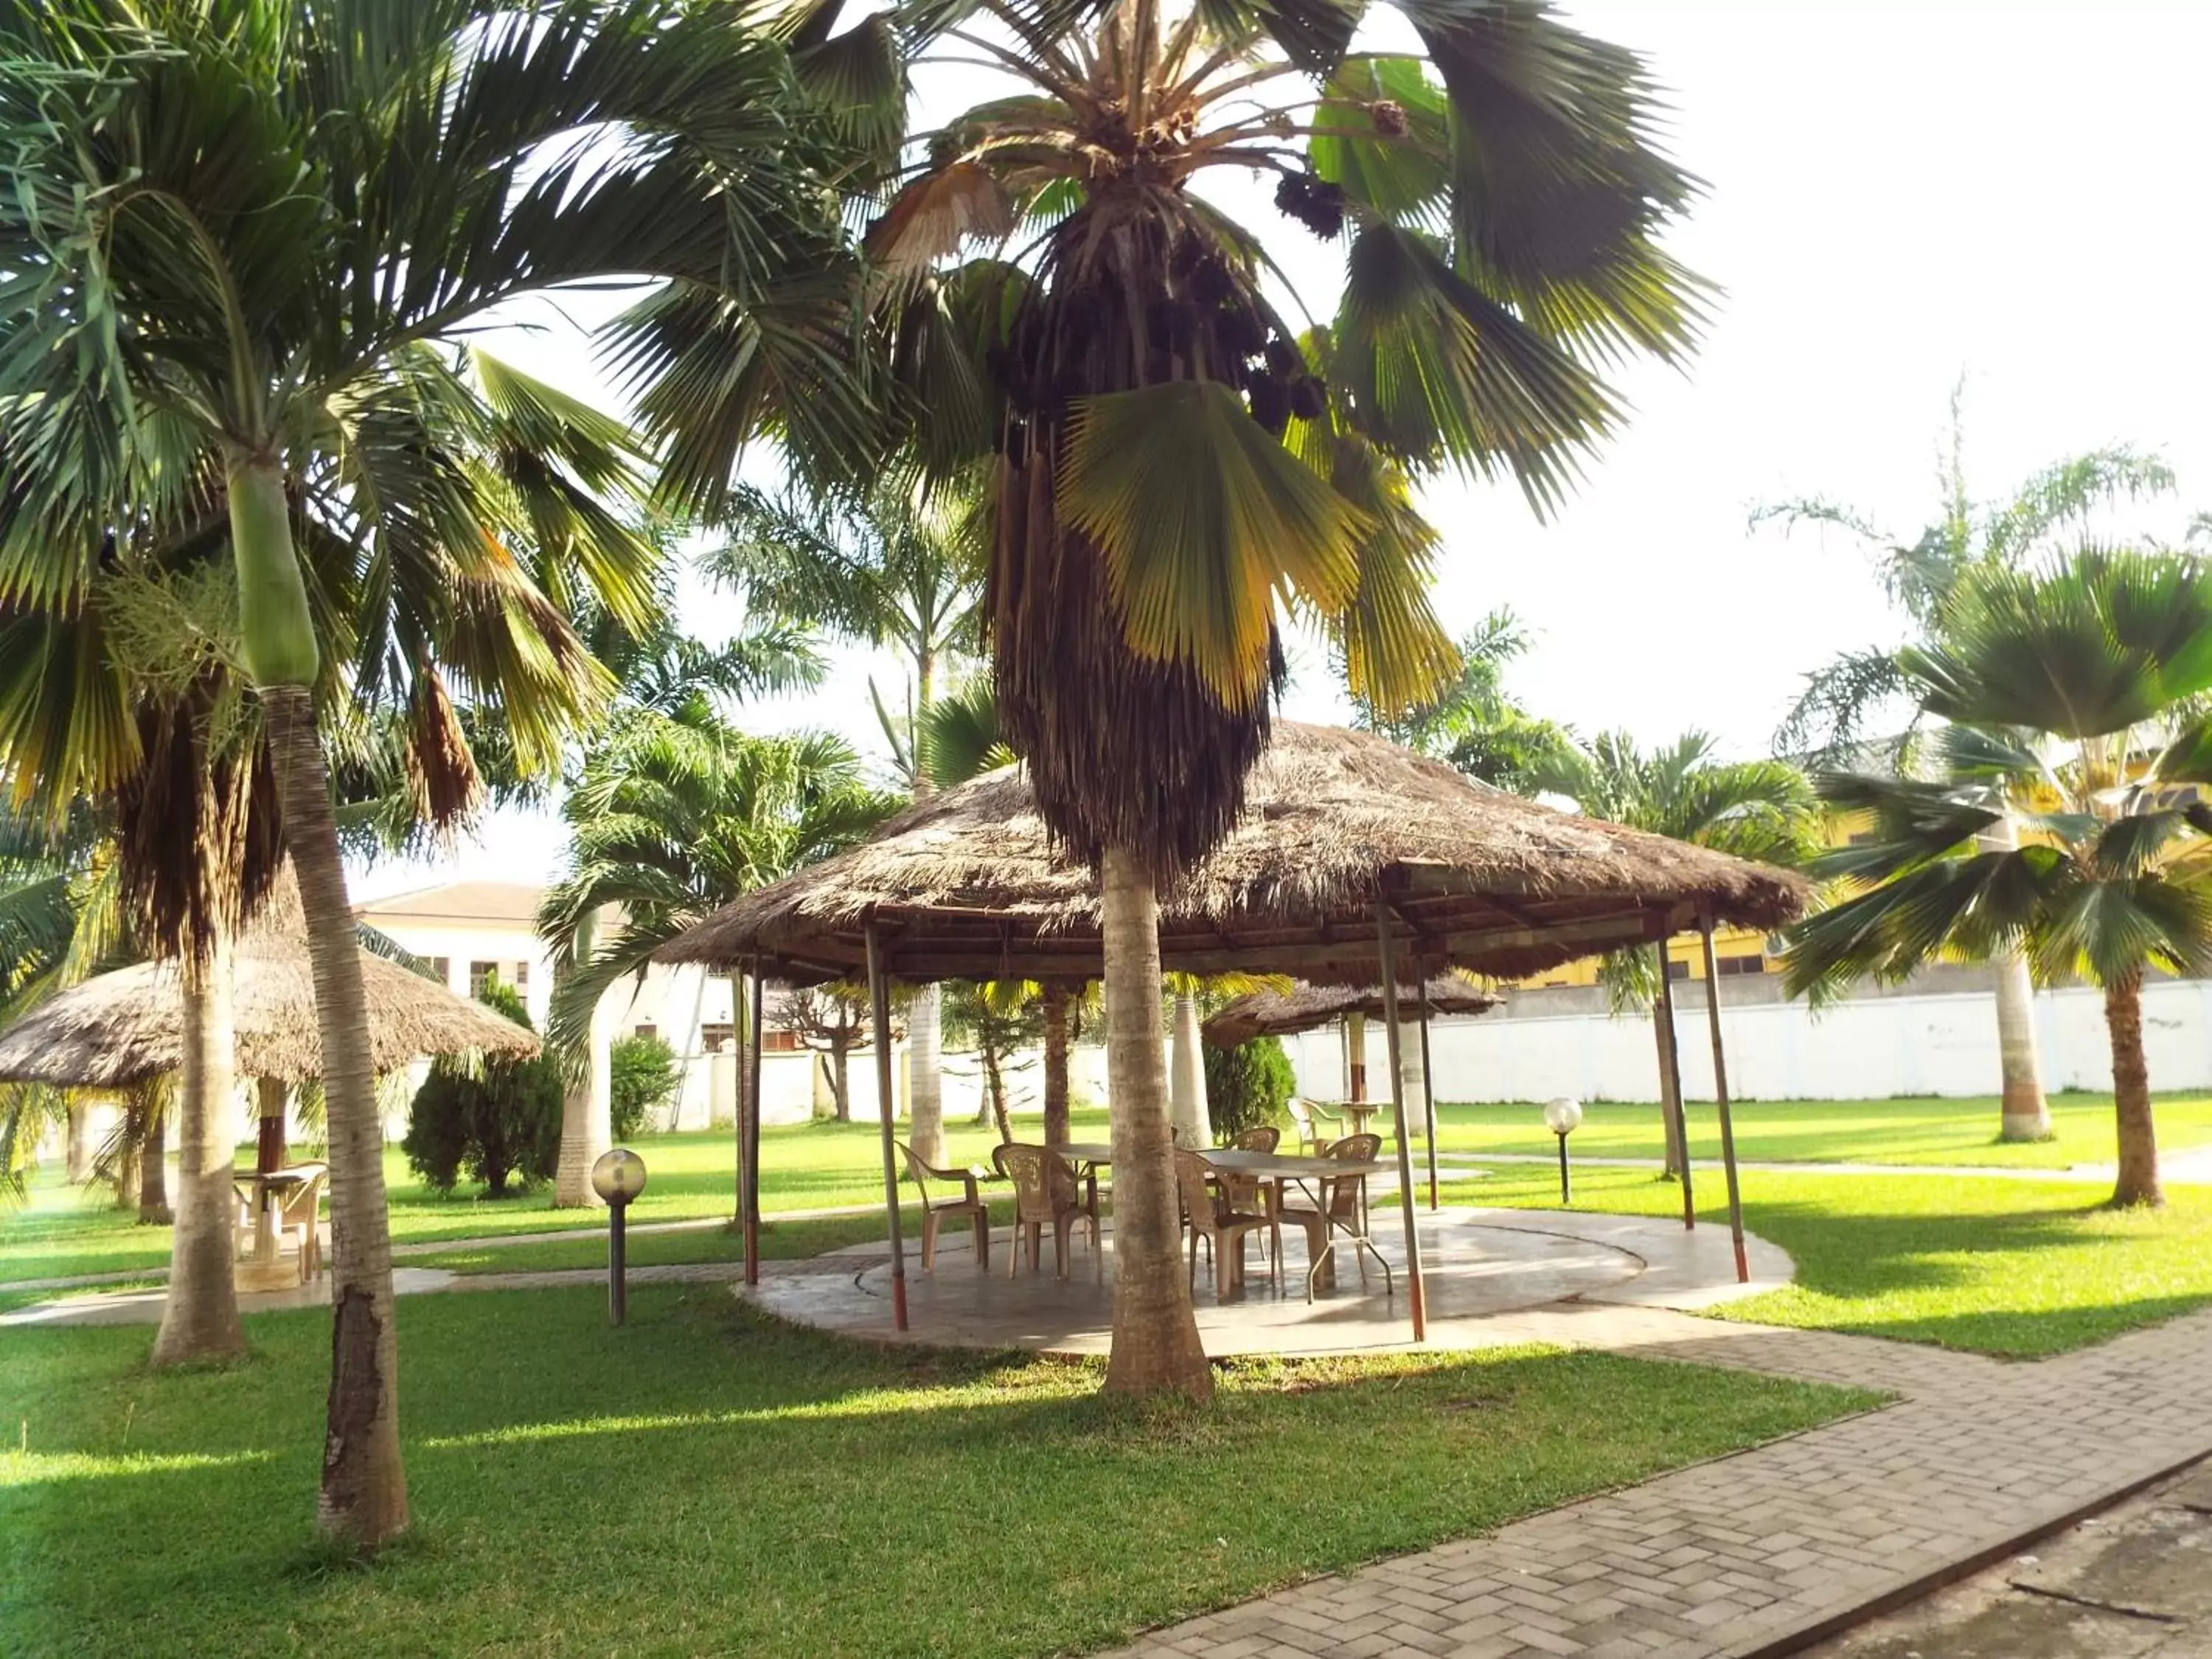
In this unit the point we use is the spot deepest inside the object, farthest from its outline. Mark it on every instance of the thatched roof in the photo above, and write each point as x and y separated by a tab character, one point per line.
123	1027
1302	1008
967	885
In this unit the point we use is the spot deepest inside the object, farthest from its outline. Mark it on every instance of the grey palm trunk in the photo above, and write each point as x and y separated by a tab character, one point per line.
1194	1127
199	1317
587	1130
2023	1113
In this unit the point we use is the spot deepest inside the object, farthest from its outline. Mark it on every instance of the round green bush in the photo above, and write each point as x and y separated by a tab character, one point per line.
1247	1086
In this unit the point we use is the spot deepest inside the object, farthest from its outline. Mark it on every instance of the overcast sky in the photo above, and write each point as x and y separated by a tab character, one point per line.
1898	197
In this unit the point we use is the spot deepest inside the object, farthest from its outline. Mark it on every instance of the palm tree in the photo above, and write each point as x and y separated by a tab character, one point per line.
1762	810
1828	722
674	814
2058	684
1473	723
1170	456
885	567
240	236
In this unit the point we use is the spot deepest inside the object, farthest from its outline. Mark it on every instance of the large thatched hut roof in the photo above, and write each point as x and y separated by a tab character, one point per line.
968	885
1267	1012
123	1027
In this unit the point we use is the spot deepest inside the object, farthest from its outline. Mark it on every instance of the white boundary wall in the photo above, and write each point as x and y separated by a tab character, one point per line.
1937	1044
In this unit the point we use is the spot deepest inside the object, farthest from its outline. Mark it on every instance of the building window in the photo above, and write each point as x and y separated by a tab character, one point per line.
522	978
480	973
1677	970
443	968
648	1032
715	1038
781	1042
1728	965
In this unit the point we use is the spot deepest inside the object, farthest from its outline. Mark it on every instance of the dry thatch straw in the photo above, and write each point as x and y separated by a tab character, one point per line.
968	886
124	1027
1302	1008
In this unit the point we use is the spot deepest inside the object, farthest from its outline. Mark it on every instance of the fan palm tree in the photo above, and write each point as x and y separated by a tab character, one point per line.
1762	809
2061	686
885	567
235	235
1828	722
1171	457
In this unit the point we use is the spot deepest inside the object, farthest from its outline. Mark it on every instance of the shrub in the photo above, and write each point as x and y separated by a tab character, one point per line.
495	1117
641	1078
1247	1086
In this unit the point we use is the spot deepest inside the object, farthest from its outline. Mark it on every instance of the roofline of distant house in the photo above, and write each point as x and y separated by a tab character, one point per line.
383	906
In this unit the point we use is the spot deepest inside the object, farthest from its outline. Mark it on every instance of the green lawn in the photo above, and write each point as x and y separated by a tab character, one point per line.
2020	1267
64	1230
1921	1131
708	1481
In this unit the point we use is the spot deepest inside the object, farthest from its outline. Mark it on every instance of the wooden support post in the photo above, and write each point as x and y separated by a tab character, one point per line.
1416	1294
879	1000
738	1125
750	1061
1670	1085
1428	1092
1721	1096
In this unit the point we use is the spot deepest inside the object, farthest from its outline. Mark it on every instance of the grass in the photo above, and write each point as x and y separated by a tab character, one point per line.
67	1230
1914	1131
2014	1267
708	1481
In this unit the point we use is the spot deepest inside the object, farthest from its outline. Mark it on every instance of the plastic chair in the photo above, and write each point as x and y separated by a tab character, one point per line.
1224	1228
299	1209
1308	1119
1047	1194
1343	1213
968	1205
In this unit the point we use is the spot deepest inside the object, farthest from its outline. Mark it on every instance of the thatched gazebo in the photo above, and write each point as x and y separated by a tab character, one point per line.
1355	862
1308	1007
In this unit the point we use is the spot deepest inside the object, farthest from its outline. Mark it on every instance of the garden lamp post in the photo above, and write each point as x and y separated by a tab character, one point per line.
617	1177
1561	1117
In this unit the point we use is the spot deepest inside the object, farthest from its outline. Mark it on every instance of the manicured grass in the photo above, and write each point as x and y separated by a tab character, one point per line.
66	1231
708	1481
2018	1267
1921	1131
790	1239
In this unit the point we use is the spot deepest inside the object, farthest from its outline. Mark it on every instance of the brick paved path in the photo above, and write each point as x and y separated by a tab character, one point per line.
1750	1554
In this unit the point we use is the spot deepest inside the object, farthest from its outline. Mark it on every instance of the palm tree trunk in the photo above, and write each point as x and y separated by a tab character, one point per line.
924	1055
154	1158
199	1317
80	1144
363	1498
586	1132
1186	1091
995	1092
2138	1135
1057	1006
270	1152
1156	1346
1664	1040
364	1481
841	1085
129	1147
2024	1114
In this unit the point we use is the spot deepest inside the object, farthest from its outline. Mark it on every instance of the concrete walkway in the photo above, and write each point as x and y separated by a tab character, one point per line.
2192	1167
1771	1549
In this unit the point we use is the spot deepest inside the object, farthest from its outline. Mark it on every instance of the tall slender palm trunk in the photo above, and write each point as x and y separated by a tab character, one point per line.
2138	1134
199	1317
995	1093
79	1145
1187	1087
925	1017
1058	1006
585	1129
2023	1114
129	1150
1156	1346
363	1499
153	1187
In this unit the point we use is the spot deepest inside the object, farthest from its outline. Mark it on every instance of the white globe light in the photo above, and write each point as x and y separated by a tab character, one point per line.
619	1176
1562	1115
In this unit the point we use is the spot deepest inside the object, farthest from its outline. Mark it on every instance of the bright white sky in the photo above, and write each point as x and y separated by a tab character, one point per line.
1898	195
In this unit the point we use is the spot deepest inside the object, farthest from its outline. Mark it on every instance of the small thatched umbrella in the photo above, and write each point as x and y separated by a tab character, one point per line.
124	1027
1306	1008
1353	856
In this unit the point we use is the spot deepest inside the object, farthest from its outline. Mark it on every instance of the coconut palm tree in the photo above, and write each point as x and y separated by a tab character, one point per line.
2061	685
1066	298
1828	723
1762	810
236	235
886	568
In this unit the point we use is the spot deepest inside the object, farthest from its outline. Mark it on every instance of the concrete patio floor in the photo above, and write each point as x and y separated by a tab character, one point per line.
1482	1266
